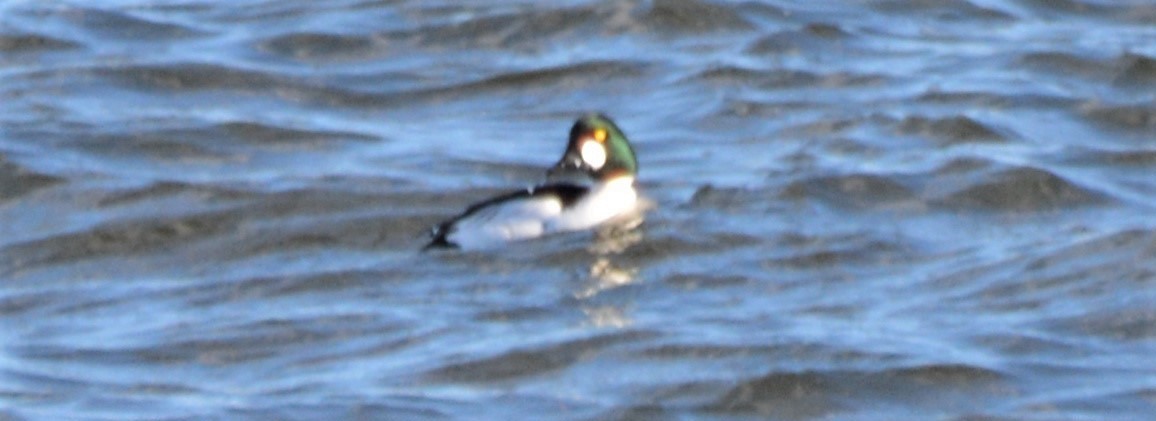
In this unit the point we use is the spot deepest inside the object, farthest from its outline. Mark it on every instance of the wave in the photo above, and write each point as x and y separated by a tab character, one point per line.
536	361
1020	189
823	393
34	43
1139	118
1127	70
852	191
951	130
17	180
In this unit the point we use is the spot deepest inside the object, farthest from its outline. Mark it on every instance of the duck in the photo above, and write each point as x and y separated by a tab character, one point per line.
591	184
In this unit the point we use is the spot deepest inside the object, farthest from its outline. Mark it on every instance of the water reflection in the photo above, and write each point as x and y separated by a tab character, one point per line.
604	275
607	316
607	271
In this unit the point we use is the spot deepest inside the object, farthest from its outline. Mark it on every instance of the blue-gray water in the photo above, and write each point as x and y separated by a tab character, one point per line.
863	210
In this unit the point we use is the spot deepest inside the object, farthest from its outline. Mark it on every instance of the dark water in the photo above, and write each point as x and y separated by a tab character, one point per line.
864	210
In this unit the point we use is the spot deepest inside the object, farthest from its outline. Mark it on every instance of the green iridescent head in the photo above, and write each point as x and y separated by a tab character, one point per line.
597	148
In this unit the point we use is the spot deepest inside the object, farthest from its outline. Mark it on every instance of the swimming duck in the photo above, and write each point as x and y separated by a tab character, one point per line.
592	183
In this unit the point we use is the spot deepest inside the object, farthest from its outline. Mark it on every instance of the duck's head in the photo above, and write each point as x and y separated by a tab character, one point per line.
598	151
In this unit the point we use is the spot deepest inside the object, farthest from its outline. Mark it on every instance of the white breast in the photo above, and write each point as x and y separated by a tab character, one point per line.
606	201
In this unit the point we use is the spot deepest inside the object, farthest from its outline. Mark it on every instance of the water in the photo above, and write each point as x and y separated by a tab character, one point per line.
867	210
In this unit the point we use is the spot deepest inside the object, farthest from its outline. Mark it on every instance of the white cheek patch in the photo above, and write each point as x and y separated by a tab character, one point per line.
594	154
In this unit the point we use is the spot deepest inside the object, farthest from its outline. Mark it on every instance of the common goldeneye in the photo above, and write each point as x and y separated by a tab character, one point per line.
591	184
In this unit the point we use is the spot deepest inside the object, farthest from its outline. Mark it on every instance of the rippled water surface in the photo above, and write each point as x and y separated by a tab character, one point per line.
868	210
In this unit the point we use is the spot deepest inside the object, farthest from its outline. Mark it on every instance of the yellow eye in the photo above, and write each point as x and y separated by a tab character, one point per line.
600	135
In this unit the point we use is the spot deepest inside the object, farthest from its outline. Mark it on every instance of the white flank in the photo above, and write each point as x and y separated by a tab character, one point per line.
530	218
505	222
